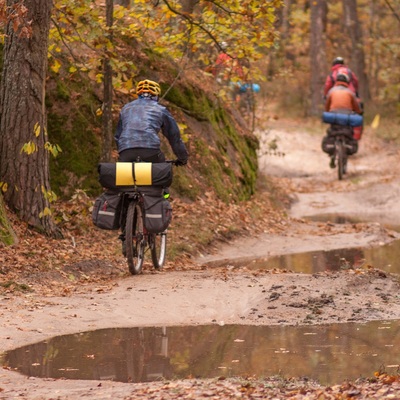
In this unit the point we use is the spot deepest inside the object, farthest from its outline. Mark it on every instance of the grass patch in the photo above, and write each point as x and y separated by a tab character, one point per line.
15	286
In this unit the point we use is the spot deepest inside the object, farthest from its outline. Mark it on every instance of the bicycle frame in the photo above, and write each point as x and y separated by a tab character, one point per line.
137	238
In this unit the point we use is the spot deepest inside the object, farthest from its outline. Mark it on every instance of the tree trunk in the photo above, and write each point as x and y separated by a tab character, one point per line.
7	235
23	120
124	3
188	6
108	92
357	54
318	65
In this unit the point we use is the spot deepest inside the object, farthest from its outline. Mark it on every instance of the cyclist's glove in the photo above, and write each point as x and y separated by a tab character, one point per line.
180	163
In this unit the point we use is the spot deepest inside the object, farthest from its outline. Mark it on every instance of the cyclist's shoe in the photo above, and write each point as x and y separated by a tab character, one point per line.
332	164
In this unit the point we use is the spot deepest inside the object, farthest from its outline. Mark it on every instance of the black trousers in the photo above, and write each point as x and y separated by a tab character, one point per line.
145	155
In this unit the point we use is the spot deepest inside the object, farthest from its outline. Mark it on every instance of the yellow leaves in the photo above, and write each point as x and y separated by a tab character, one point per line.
46	212
29	148
119	12
53	149
247	25
3	186
182	128
49	195
36	129
55	67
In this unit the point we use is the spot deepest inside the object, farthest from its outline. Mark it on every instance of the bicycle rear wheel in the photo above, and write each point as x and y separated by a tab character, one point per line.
340	150
158	248
135	241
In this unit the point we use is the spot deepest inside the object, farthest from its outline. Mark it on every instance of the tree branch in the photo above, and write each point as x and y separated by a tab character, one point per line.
393	10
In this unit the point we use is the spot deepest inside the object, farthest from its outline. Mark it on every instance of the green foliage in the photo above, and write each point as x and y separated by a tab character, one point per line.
7	235
15	286
182	184
74	126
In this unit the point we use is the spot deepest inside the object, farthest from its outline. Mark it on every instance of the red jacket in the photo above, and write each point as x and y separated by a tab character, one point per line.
331	78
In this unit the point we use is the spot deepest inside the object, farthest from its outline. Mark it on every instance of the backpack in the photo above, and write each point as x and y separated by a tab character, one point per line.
157	210
107	211
341	70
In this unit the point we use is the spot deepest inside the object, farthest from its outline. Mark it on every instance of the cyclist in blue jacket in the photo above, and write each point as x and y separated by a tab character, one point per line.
140	122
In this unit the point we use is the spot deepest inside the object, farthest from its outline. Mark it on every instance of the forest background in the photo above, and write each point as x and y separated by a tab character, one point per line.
68	67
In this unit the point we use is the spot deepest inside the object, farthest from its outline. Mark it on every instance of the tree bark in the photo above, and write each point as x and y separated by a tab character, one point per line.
354	31
188	5
124	3
23	119
108	92
318	67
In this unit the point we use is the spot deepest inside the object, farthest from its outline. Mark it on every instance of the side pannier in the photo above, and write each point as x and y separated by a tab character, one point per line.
107	211
157	210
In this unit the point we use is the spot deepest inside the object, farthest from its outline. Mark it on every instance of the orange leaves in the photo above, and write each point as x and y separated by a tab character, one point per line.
386	378
18	15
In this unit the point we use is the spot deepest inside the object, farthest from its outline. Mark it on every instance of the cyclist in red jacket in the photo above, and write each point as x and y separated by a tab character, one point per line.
339	67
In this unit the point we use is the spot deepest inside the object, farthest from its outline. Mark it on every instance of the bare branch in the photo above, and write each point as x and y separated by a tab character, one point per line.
393	10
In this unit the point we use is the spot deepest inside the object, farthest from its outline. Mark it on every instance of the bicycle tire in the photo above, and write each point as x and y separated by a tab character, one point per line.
135	241
341	158
158	249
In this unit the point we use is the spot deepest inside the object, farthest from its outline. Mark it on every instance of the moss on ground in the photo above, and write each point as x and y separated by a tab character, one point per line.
74	126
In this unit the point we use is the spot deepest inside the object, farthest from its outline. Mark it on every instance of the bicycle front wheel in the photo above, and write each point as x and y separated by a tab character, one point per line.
158	248
135	241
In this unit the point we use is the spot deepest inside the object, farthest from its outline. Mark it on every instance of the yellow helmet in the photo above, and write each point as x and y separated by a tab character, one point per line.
148	86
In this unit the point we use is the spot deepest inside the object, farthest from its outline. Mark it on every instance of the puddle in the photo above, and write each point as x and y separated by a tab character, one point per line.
347	219
383	257
327	353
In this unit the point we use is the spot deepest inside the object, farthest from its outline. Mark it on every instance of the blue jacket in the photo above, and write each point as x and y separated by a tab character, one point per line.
139	123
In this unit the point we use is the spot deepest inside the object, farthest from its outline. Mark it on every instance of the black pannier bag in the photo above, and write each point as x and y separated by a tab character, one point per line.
122	175
107	211
157	209
328	141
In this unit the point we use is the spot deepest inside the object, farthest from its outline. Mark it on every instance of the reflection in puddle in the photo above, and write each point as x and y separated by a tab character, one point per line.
327	353
383	257
348	219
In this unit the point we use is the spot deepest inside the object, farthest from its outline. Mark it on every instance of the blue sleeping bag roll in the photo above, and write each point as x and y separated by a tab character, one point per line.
342	119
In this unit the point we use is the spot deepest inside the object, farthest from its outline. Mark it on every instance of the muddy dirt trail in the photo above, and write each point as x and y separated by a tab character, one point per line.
222	294
368	194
